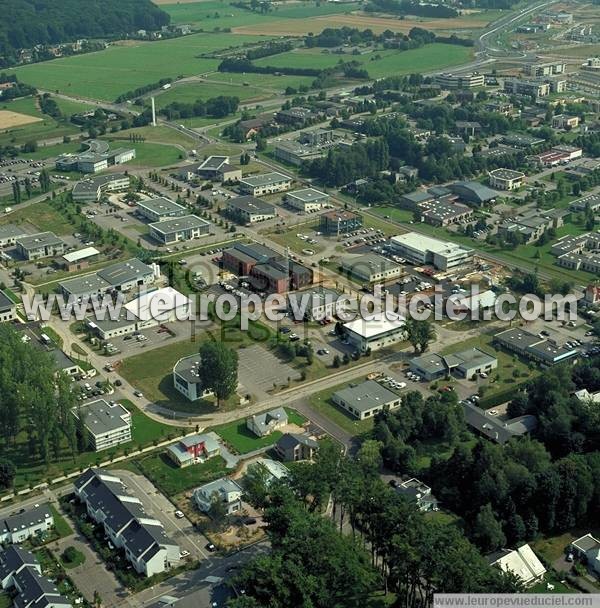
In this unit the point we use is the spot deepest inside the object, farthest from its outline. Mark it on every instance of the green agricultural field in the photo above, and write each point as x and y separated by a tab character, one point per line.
191	92
68	107
379	63
122	67
158	134
267	81
210	15
44	152
45	128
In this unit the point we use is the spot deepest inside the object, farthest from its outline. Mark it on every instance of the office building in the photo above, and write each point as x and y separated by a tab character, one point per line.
91	189
338	222
177	229
266	183
424	250
375	332
371	267
160	209
459	81
250	210
40	245
9	233
186	378
533	347
366	399
506	179
307	200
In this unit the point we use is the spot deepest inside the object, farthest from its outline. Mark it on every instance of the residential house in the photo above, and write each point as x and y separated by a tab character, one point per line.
26	523
291	447
224	490
8	309
193	449
587	549
417	492
266	423
522	563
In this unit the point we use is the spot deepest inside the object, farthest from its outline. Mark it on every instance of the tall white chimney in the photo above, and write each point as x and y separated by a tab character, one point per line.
153	112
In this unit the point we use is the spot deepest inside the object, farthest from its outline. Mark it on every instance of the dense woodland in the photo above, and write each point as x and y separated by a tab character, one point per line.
26	23
373	541
34	400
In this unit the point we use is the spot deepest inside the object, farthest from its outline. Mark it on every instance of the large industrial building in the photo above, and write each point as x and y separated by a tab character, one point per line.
160	209
371	267
307	200
266	183
425	250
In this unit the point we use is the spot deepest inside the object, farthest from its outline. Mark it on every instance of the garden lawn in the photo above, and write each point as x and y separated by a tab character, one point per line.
61	525
173	480
124	67
238	437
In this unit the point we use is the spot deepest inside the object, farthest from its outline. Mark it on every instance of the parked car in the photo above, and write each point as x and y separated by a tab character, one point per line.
210	547
179	514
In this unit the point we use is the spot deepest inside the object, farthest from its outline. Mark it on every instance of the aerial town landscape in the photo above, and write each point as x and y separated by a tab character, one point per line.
299	302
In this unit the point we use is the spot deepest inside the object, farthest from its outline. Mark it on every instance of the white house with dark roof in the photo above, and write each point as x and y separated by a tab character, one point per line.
26	524
224	490
126	523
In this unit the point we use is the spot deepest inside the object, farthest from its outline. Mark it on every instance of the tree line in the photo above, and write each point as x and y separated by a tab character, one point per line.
142	90
411	7
216	107
27	23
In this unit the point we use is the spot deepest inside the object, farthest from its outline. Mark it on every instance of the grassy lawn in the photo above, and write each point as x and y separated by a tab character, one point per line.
5	601
160	133
191	92
123	67
321	402
41	216
237	436
150	154
61	525
268	81
44	152
173	480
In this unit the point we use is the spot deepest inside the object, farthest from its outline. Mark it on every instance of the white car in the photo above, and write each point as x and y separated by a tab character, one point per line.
179	514
184	553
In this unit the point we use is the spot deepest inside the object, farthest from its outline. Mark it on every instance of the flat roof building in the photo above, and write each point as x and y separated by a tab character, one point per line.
9	233
176	229
424	250
338	222
465	364
40	245
533	347
186	378
160	208
473	192
372	333
90	190
492	426
266	183
249	210
366	399
106	424
371	267
307	200
506	179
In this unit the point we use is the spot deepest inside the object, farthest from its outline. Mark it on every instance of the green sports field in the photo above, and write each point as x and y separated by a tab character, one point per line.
122	67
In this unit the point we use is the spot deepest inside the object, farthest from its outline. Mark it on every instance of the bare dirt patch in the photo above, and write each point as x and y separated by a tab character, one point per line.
292	27
9	119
